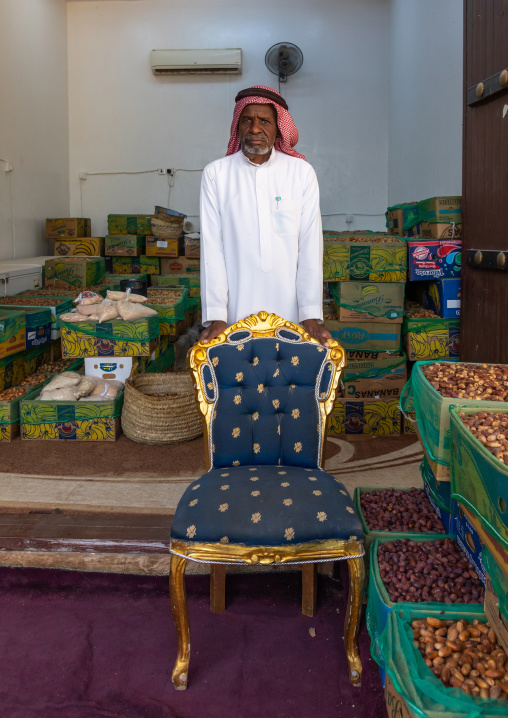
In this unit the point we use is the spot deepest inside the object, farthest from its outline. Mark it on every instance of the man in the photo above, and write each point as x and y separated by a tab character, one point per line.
261	235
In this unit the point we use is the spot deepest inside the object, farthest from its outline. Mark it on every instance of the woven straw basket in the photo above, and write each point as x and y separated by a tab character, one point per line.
166	230
161	408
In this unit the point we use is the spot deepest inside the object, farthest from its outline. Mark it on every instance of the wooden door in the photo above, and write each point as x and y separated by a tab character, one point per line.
484	330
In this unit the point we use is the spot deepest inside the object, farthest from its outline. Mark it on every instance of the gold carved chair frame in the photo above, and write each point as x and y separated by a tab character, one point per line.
220	554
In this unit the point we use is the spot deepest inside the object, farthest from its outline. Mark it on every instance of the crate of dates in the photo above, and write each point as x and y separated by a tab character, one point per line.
395	513
446	666
479	467
9	410
435	386
432	571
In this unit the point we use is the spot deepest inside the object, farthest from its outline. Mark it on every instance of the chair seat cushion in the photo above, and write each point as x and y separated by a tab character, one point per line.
266	506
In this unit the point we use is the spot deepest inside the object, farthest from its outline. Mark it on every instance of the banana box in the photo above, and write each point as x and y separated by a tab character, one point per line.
68	227
365	256
83	247
380	379
73	272
124	245
369	301
12	331
129	224
136	265
431	338
443	297
70	420
367	336
380	417
117	338
9	416
191	280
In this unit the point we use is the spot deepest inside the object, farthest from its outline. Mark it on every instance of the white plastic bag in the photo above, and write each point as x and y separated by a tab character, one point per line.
73	317
86	298
64	380
63	394
131	310
86	386
106	311
107	388
87	309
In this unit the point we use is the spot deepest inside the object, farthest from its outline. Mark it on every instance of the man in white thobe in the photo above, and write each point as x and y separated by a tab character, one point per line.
261	235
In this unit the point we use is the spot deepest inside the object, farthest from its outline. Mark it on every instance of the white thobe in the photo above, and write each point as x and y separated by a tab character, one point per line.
261	239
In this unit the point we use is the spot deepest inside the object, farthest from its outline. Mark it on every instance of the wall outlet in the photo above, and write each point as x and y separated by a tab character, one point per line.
164	171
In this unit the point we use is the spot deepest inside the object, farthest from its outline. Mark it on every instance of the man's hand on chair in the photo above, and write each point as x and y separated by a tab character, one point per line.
317	331
212	331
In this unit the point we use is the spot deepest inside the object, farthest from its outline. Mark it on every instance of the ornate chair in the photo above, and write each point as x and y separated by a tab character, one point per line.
265	389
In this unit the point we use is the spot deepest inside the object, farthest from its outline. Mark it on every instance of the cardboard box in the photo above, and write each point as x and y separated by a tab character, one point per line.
84	247
469	541
441	230
444	209
57	306
124	245
443	297
9	416
191	280
129	224
115	279
396	706
496	601
193	246
414	232
374	379
409	423
380	417
12	331
369	301
179	265
38	325
70	420
68	227
353	355
116	338
367	336
434	259
395	218
364	257
136	265
431	338
73	272
159	247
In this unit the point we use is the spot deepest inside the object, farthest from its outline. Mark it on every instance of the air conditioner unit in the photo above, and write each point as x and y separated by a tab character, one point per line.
197	62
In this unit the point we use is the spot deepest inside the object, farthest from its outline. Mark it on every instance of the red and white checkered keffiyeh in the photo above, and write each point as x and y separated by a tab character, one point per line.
284	142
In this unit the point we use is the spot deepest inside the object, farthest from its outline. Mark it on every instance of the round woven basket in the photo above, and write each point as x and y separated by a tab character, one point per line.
165	230
166	216
161	408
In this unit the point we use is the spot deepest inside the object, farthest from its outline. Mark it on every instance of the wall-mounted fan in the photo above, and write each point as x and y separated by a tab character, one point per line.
284	59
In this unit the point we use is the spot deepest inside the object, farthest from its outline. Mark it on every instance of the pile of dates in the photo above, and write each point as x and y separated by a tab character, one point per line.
437	570
491	429
35	379
463	655
28	301
469	381
420	313
14	393
55	367
392	510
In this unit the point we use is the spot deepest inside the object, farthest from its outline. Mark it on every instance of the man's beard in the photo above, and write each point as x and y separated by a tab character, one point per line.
248	149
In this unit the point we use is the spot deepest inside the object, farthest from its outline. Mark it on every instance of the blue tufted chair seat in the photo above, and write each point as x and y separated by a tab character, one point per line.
266	505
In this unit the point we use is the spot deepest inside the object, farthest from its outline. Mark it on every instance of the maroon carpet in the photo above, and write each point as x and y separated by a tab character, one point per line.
88	645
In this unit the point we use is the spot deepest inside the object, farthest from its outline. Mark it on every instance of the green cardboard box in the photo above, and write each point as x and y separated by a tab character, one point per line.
73	272
372	379
115	338
128	245
12	331
442	209
366	336
129	224
368	301
136	265
366	257
191	280
70	227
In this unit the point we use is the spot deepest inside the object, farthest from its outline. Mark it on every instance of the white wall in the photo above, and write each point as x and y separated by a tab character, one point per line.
34	133
122	118
425	125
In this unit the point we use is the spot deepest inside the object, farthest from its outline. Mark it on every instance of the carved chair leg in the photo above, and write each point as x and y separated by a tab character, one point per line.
217	588
353	615
181	619
309	589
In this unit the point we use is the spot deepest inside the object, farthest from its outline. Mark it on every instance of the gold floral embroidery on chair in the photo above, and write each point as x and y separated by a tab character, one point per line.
256	518
255	416
278	430
277	372
295	361
223	476
252	469
215	361
285	484
236	432
254	478
236	463
240	347
255	361
288	502
255	493
276	403
321	516
210	385
312	478
237	399
295	413
191	531
193	502
196	487
298	447
289	534
260	388
256	448
225	487
239	376
224	539
223	507
350	510
282	473
317	492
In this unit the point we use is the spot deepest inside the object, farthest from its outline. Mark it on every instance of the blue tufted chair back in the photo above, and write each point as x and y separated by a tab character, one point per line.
266	395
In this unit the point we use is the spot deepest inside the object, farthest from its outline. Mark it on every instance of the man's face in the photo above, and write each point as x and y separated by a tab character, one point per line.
257	128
